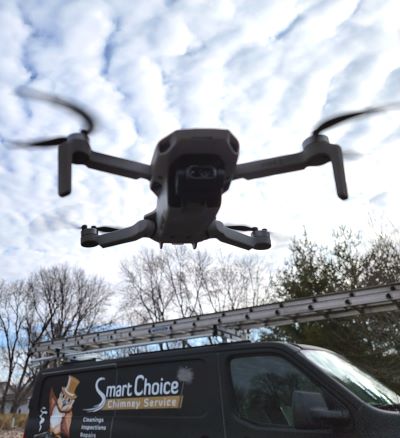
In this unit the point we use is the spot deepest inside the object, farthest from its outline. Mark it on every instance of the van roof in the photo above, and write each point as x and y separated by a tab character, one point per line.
182	353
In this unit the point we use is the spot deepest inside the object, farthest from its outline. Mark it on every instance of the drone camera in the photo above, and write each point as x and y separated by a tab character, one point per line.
200	183
201	172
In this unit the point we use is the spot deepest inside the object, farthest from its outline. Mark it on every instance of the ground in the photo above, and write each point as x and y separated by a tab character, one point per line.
15	433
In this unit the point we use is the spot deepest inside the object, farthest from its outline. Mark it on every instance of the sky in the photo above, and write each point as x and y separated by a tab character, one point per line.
267	70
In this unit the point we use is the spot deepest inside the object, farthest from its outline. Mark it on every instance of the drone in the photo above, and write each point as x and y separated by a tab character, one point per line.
189	172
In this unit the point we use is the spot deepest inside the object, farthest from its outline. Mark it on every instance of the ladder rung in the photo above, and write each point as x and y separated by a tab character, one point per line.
327	306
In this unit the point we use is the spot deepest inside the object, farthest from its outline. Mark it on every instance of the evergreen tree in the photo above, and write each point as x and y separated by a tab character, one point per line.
370	341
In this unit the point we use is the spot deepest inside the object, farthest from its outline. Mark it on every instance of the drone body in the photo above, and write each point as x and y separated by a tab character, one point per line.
189	172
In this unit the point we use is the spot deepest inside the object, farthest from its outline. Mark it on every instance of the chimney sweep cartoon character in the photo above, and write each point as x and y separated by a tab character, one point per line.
61	408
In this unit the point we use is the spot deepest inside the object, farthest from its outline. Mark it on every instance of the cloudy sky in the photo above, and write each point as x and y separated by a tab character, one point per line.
267	70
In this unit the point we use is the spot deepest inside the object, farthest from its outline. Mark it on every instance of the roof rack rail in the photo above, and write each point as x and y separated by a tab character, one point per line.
228	324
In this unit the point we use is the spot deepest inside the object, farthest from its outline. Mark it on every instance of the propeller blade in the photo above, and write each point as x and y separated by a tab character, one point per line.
31	93
341	118
44	142
352	155
54	220
107	229
59	219
280	238
241	228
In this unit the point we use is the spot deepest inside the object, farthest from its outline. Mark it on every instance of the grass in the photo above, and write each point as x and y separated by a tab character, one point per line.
7	422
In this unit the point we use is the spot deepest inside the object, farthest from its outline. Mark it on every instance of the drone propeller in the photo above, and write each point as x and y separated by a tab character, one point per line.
103	229
59	218
30	93
351	155
343	117
107	229
241	228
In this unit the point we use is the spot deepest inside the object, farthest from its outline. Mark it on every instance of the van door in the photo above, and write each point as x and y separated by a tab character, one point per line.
168	398
260	390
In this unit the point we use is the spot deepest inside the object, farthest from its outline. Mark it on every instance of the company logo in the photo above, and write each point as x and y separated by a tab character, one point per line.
43	413
142	393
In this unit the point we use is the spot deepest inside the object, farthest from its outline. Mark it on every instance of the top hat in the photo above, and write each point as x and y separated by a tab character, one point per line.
70	389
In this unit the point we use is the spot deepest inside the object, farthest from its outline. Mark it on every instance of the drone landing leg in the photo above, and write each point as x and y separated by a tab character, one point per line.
143	228
258	240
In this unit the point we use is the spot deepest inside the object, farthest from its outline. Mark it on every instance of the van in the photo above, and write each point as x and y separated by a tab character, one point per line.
232	390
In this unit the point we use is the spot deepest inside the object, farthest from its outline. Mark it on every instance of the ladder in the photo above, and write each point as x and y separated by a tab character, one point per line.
231	323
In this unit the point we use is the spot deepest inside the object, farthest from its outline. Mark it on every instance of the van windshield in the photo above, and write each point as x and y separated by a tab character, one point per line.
360	383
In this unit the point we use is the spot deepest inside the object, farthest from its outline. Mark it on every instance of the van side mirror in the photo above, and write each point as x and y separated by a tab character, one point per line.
310	411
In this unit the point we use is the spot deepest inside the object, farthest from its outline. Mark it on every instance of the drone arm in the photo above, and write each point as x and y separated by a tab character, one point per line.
271	166
118	166
258	239
143	228
317	151
76	150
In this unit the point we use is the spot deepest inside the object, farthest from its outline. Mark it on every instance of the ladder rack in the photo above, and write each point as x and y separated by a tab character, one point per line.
233	322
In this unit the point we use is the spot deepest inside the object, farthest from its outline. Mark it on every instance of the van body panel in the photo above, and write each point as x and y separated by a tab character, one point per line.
142	395
192	397
64	402
375	423
232	390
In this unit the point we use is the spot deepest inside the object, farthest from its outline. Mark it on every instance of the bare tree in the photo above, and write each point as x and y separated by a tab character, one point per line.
146	296
12	318
66	301
54	302
16	323
180	282
165	285
235	282
186	273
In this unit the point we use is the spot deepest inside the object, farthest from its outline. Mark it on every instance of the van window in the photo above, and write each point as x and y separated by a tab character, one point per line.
360	383
263	387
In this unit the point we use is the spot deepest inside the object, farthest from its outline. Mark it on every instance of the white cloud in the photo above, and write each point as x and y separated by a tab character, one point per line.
268	71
